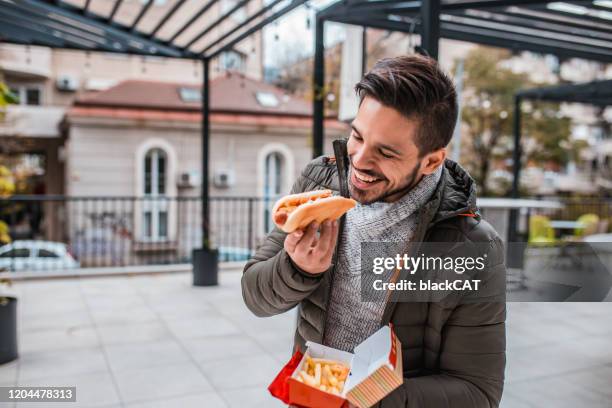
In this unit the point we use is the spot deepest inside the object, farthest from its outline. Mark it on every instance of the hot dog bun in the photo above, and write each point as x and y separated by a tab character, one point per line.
297	211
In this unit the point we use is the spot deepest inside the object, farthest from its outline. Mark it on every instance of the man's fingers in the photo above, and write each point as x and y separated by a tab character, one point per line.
333	239
325	239
309	236
292	240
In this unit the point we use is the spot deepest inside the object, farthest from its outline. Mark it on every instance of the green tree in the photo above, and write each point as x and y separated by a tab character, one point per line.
488	110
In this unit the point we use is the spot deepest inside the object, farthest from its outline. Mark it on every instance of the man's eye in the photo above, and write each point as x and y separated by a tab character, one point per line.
388	156
356	137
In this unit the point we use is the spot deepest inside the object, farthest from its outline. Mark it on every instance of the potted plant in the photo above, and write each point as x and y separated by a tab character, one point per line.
8	322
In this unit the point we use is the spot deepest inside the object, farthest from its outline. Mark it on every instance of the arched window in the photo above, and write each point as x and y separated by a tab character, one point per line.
155	172
154	213
273	184
275	172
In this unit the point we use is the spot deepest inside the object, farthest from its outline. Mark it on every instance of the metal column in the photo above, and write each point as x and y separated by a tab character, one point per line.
516	154
430	26
516	170
318	108
205	152
364	51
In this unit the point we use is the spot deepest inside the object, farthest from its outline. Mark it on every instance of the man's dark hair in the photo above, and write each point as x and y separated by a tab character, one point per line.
415	86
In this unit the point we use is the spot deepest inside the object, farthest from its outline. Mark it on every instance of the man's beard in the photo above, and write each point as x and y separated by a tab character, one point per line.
411	181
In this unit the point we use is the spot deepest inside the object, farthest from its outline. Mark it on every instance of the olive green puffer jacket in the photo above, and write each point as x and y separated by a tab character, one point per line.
453	352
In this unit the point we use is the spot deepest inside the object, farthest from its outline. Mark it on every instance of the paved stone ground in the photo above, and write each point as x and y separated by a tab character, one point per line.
156	341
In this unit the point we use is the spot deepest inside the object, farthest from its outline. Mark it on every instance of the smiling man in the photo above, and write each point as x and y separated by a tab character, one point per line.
408	192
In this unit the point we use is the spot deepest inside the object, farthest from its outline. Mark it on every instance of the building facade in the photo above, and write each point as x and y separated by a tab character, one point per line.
137	147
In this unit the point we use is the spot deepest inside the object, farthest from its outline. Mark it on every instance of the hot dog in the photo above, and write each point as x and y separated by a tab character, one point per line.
297	211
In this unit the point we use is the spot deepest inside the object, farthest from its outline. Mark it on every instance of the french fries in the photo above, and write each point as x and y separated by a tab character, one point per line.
326	375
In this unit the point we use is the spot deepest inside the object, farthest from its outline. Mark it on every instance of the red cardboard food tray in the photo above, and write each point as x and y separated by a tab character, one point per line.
376	370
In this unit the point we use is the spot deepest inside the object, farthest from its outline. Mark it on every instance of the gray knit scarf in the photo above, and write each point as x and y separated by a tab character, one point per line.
351	320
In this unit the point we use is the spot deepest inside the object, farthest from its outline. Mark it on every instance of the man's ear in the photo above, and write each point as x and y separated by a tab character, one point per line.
433	160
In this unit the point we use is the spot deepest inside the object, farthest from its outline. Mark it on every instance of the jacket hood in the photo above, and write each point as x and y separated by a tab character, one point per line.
456	193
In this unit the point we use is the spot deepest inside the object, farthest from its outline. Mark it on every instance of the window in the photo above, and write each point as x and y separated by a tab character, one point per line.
267	99
190	94
16	253
28	94
275	170
232	60
155	172
44	253
272	184
155	214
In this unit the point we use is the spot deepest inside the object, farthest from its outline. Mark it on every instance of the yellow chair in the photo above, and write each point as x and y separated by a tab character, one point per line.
590	224
540	231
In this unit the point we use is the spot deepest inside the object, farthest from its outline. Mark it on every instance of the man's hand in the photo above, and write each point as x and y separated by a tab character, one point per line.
310	253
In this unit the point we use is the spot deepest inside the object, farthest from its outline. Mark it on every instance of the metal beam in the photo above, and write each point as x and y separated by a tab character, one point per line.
192	20
407	7
167	17
430	27
318	86
582	17
54	29
294	4
15	31
595	92
218	21
518	21
69	15
570	21
244	24
141	13
521	42
490	24
114	10
501	39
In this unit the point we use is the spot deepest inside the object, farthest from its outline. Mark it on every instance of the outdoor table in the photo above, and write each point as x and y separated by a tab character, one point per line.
497	211
571	225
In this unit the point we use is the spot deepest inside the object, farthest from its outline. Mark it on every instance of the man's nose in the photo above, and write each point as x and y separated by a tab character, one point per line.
363	158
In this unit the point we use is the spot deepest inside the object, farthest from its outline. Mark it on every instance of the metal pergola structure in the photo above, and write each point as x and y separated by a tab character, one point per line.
596	93
567	29
62	24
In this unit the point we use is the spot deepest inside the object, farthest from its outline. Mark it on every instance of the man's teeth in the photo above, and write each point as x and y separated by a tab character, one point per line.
365	178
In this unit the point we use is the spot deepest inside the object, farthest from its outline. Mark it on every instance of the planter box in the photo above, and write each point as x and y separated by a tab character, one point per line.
8	329
205	267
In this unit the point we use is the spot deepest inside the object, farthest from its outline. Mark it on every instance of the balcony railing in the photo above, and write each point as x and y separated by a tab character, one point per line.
123	231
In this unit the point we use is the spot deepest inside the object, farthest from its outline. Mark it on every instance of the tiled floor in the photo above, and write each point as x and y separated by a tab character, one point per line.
156	341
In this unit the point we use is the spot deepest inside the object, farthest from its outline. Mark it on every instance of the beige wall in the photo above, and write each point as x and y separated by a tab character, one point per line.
101	153
101	161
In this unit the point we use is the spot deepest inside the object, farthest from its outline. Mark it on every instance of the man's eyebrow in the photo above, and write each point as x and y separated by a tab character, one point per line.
380	145
387	147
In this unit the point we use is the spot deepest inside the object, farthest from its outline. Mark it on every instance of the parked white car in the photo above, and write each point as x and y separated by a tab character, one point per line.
36	255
